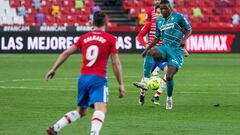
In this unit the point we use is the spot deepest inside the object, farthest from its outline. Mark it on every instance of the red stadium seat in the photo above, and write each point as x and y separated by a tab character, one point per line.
14	3
44	10
205	19
28	4
179	4
225	19
50	19
147	3
83	18
127	5
207	11
209	3
214	19
65	10
30	18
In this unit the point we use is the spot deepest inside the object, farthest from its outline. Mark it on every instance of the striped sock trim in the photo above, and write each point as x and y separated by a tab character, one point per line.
68	119
97	119
157	92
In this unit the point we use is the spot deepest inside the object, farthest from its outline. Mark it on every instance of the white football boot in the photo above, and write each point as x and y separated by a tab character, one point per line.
169	103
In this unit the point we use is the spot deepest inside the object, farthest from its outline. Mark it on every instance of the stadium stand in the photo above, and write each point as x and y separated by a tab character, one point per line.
215	13
56	12
218	13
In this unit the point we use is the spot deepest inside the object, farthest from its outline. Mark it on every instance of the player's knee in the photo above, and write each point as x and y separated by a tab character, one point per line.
155	54
169	77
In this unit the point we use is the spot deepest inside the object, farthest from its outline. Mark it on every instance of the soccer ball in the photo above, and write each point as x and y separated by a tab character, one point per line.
154	83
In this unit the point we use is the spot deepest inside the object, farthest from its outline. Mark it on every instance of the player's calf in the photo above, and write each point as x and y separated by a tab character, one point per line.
141	100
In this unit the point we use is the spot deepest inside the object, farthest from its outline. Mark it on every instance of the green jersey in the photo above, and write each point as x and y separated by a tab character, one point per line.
170	30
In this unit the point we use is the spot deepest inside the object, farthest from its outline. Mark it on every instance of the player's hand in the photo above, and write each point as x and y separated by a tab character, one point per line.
121	91
50	75
186	54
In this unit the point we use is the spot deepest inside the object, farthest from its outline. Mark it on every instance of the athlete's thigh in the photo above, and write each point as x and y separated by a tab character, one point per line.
174	57
163	51
148	59
180	57
83	93
98	92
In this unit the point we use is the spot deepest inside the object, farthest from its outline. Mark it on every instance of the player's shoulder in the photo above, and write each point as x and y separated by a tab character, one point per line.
160	19
178	15
109	36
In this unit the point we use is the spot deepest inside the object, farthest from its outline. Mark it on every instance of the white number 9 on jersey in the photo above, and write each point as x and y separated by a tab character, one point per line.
91	55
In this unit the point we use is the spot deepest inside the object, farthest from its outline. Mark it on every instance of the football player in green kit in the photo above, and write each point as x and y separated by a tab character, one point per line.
173	29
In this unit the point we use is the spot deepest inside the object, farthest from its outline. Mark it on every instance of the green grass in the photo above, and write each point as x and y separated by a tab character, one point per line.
28	104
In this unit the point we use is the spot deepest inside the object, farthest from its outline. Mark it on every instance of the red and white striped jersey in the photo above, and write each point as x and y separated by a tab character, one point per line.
152	17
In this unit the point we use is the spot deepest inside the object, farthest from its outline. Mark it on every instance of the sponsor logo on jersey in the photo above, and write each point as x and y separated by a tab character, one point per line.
167	26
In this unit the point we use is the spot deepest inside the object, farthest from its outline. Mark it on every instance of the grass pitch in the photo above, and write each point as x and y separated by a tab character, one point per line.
206	97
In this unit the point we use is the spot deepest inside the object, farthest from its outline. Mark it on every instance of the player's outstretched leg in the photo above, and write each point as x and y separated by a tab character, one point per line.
155	98
64	121
148	66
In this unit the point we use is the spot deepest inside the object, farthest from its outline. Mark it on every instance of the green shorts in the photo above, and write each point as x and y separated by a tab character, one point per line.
173	55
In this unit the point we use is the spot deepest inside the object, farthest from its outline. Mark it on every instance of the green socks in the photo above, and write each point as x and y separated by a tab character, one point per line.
170	85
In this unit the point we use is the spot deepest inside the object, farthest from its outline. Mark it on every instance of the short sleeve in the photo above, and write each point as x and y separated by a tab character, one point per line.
78	44
114	45
184	23
158	33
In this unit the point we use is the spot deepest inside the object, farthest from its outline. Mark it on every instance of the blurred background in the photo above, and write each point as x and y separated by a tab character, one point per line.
215	23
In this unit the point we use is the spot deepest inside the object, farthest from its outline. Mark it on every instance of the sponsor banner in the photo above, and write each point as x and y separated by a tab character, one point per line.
57	39
210	42
54	42
44	29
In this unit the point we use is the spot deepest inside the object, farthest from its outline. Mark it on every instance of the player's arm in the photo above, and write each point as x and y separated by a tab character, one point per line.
149	15
117	70
186	25
186	36
155	40
145	29
62	57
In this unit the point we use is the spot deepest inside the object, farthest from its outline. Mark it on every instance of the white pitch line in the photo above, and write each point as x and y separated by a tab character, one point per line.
42	79
111	90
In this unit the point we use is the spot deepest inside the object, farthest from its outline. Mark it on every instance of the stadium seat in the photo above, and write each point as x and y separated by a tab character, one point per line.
213	11
83	18
179	4
14	3
207	11
215	19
